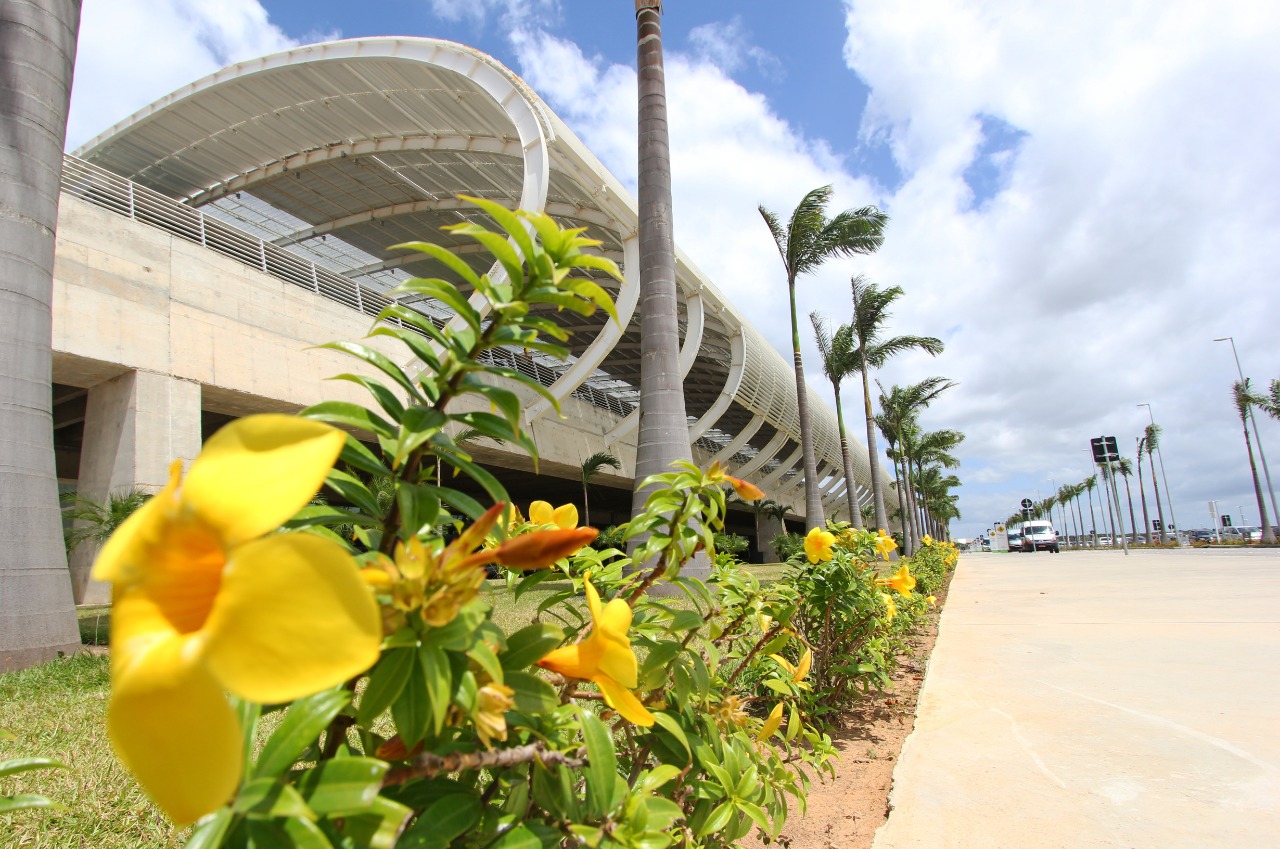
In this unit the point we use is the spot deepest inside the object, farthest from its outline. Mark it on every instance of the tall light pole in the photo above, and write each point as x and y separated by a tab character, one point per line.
1257	440
1168	494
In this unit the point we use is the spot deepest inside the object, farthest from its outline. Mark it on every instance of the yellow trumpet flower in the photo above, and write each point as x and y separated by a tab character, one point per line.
933	600
926	540
604	657
564	517
885	544
818	544
891	609
902	581
208	600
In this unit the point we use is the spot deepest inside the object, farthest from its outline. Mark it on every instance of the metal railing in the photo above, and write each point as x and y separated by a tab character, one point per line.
110	191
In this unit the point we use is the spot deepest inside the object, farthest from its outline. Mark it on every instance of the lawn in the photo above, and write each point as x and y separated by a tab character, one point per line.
58	711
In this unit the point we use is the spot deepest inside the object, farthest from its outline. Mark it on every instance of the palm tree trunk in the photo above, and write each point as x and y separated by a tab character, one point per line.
851	492
1079	522
664	428
1156	485
814	517
1142	494
586	505
37	58
877	496
1133	522
1093	520
1268	533
900	483
1111	515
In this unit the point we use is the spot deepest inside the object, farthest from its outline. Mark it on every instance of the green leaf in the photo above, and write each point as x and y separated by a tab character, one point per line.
386	683
358	456
301	725
387	400
718	820
352	415
379	828
484	657
517	838
530	644
673	728
441	822
419	507
343	786
26	764
684	621
292	833
269	798
23	801
209	831
412	708
445	256
532	694
379	361
437	673
353	489
662	773
602	763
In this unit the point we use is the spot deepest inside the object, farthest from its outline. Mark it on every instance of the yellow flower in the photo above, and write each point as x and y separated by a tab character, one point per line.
729	713
207	600
564	517
885	544
818	544
539	549
604	657
891	609
933	600
902	581
771	724
926	540
491	716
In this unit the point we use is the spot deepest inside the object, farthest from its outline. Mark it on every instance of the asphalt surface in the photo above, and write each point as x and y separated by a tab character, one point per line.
1096	700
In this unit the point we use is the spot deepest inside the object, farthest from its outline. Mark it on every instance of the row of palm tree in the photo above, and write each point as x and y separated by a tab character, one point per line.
1069	495
1245	398
925	505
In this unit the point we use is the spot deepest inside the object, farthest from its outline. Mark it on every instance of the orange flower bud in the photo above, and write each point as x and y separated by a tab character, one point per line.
746	491
539	549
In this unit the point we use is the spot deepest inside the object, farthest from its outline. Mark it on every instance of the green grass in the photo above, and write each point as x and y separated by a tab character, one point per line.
58	711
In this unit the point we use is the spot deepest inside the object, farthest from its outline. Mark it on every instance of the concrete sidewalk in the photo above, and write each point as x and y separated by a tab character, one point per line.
1095	700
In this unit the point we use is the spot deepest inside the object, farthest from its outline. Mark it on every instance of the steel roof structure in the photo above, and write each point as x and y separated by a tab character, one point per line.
334	151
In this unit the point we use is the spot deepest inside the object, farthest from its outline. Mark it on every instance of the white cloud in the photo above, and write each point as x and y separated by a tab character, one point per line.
726	45
511	13
133	52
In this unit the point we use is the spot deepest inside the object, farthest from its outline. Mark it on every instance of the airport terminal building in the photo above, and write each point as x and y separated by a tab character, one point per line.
206	243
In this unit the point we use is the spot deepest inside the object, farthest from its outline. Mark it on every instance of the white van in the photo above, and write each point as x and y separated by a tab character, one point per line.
1039	535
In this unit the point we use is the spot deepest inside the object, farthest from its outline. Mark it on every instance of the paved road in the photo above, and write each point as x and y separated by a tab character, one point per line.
1091	700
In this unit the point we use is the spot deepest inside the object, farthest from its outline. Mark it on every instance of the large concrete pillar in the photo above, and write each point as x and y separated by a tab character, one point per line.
134	426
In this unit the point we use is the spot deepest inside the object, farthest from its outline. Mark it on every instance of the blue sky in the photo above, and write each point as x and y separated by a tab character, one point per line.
1081	195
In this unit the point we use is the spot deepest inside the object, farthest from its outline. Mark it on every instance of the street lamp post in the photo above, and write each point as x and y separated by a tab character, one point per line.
1173	520
1257	440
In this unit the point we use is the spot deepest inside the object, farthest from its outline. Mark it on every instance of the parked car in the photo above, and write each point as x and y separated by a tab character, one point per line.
1104	540
1039	535
1243	533
1202	536
1015	541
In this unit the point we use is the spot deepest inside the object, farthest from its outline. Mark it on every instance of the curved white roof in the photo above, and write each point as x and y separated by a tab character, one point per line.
339	149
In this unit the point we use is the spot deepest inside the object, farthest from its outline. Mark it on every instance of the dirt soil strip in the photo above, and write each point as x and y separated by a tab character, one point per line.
845	812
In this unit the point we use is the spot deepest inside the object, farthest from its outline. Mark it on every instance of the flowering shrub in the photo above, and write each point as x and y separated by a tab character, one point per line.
405	716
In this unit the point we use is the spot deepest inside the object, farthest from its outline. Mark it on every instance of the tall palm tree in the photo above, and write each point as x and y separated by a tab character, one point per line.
809	240
1243	396
591	467
1091	483
1066	495
837	364
898	411
929	449
37	57
870	315
664	428
1142	490
1125	468
1152	437
1077	490
1106	495
1270	403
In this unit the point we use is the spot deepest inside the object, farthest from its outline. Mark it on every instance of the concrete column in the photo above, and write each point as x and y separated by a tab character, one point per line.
135	425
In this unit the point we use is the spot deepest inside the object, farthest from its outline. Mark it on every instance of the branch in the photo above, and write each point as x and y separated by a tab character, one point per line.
429	764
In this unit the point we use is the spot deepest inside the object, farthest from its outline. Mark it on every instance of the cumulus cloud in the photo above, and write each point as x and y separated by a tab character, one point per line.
727	45
133	52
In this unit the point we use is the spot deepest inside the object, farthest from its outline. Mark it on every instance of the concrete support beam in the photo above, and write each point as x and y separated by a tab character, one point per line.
135	426
726	453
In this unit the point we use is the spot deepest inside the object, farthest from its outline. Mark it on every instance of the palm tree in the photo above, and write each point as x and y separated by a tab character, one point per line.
37	610
899	409
1090	483
1269	404
1125	468
95	522
1152	437
928	449
591	467
1243	396
1066	495
1142	490
809	240
664	427
870	313
837	364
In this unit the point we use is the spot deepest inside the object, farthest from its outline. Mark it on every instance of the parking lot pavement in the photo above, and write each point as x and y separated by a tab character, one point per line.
1090	699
